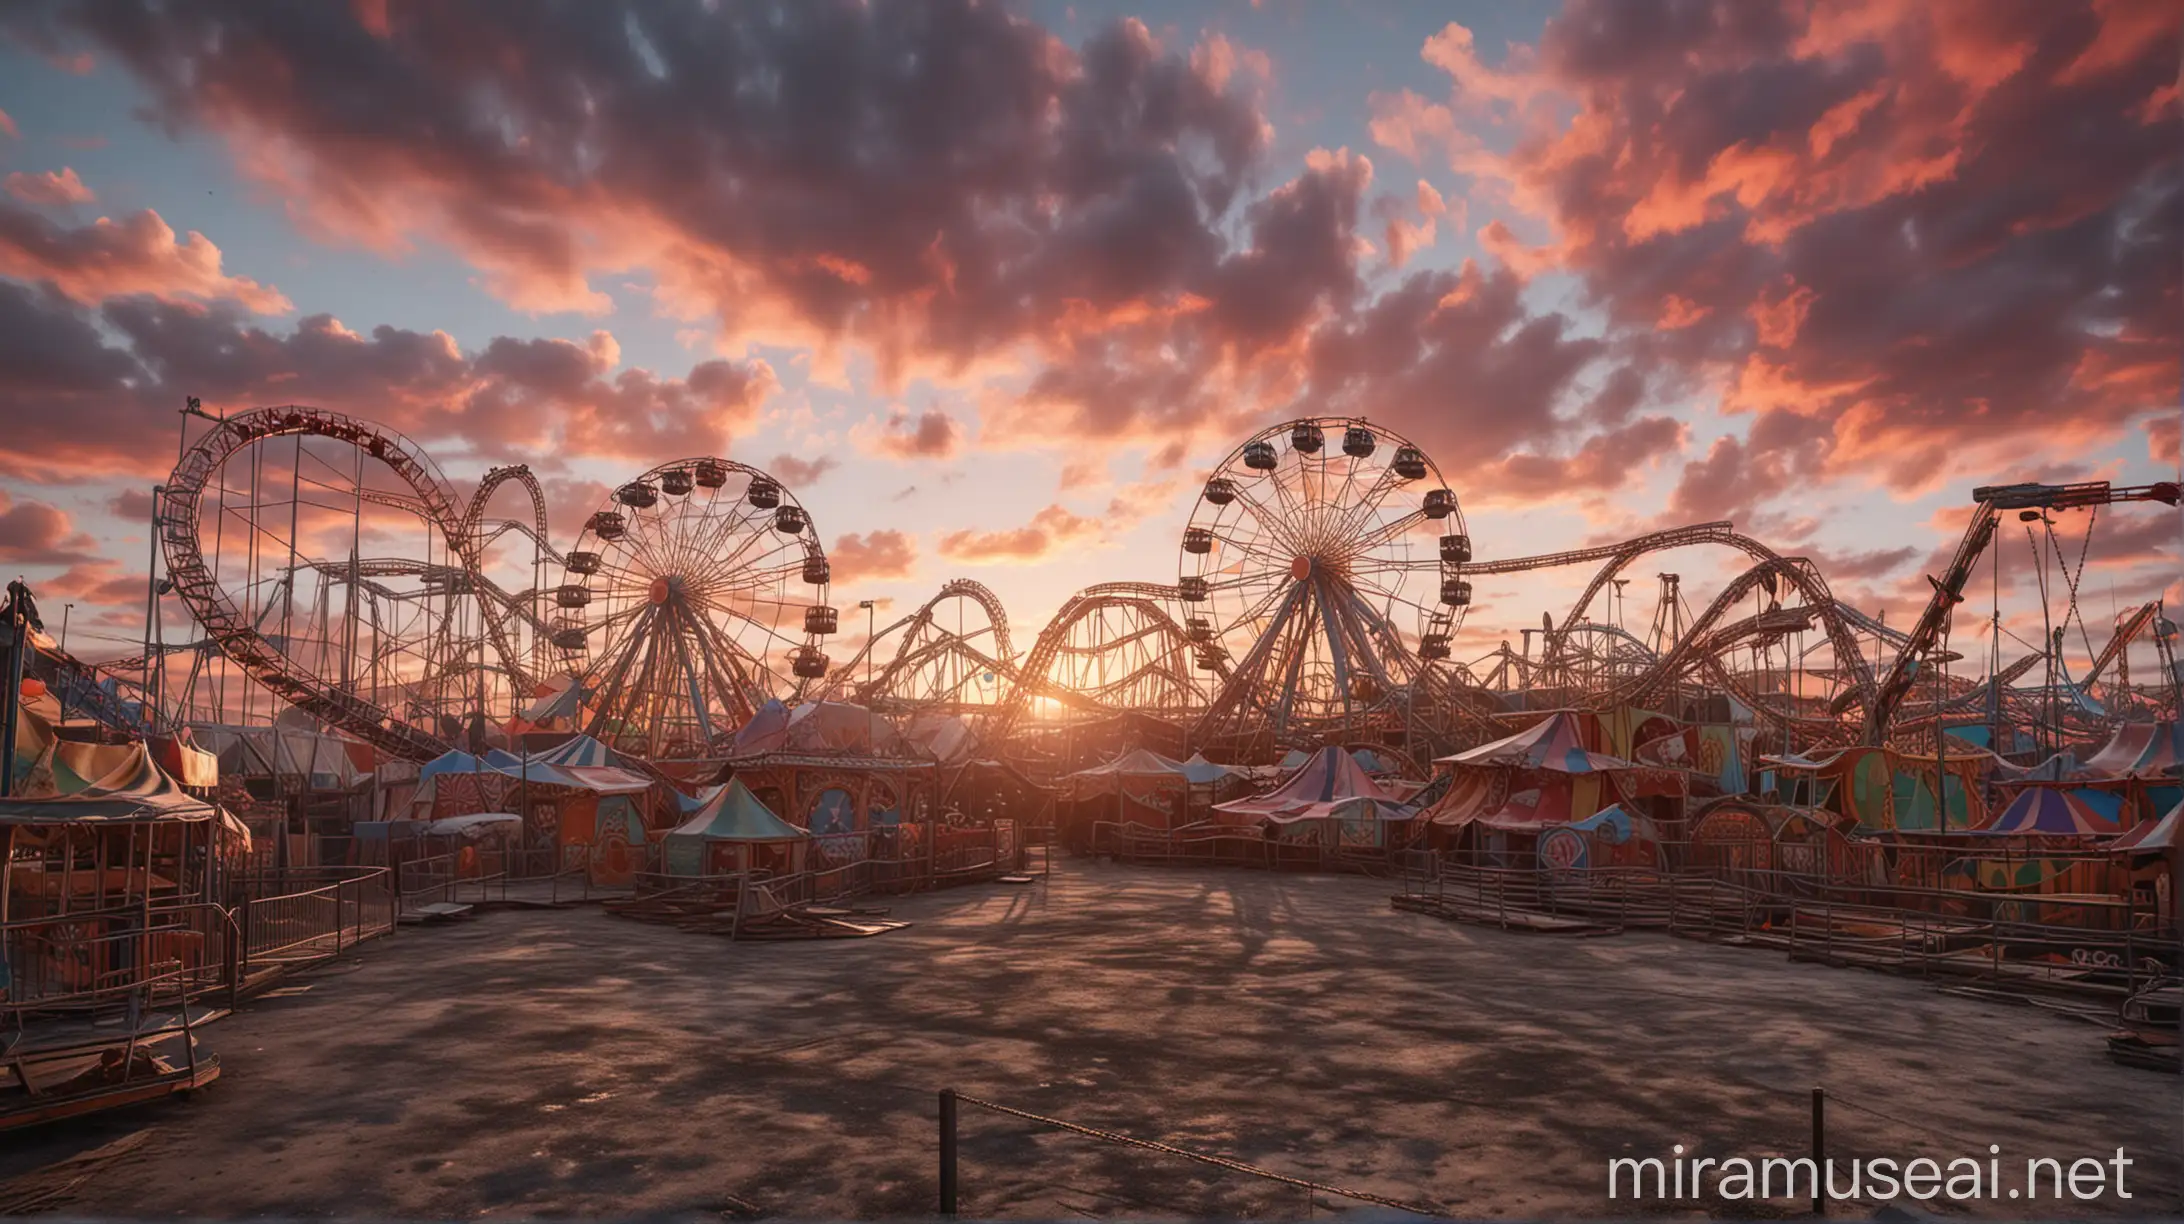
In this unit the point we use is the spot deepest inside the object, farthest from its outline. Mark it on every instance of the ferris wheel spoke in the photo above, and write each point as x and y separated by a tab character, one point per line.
1387	533
767	567
1270	521
1366	506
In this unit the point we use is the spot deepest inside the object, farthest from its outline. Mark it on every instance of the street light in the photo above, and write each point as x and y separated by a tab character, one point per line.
871	718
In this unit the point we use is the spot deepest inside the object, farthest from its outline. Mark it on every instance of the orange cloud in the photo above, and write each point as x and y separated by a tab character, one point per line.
1049	531
872	557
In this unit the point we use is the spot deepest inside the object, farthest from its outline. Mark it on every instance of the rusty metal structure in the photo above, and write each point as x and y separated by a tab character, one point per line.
1322	585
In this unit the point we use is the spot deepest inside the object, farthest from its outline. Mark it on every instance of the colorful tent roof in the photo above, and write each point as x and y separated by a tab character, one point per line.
1551	744
2153	838
454	760
133	789
1332	785
578	750
2142	748
2057	811
735	814
1139	766
817	727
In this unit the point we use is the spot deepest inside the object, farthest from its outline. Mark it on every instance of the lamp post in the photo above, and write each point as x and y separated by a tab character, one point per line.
872	616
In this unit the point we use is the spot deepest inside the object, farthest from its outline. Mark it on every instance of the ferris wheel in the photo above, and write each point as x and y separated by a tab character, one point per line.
1320	571
694	594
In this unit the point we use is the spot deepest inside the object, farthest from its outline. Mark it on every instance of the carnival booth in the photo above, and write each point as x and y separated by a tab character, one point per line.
579	807
1757	844
2151	852
90	861
1612	837
1139	788
480	842
734	832
839	771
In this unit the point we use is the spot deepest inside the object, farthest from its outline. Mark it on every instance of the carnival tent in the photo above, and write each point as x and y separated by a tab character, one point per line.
1137	766
321	760
1551	744
719	836
1330	786
2143	749
1203	772
2057	811
2153	838
132	788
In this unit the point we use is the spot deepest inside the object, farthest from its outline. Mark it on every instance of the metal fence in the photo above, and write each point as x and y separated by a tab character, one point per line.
163	952
2109	946
328	909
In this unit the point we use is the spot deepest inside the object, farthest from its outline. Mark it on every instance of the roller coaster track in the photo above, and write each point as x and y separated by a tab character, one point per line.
1146	598
1619	555
225	624
911	654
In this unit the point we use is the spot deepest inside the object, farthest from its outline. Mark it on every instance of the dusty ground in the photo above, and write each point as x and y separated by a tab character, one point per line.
572	1063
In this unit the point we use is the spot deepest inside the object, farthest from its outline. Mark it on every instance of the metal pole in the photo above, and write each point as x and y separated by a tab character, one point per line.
16	627
872	615
1819	1150
948	1152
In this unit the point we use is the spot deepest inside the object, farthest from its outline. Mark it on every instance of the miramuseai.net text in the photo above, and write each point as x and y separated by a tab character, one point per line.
1879	1179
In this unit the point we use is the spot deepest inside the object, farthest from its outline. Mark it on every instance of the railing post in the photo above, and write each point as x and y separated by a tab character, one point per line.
242	942
339	909
235	961
948	1152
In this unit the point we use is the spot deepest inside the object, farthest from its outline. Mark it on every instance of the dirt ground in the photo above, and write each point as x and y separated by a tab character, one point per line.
570	1063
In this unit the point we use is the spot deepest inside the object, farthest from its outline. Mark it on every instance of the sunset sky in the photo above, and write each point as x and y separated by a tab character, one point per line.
991	286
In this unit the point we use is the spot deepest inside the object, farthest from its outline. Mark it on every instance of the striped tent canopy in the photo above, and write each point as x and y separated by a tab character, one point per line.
2152	838
1332	785
1552	744
2142	748
2057	811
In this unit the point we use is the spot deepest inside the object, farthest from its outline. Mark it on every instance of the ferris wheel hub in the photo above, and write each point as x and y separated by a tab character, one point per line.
665	587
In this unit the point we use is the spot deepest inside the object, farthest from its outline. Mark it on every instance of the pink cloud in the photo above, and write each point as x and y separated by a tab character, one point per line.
111	259
92	393
874	556
34	533
799	473
49	187
931	434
